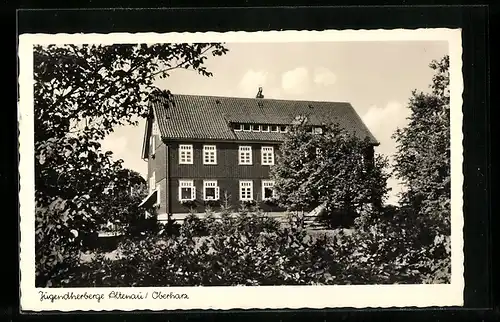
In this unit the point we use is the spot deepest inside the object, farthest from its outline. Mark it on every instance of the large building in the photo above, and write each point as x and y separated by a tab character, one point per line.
203	150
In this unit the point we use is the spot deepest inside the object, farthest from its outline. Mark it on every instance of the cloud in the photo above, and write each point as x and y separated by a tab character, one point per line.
324	76
273	92
251	81
383	122
296	81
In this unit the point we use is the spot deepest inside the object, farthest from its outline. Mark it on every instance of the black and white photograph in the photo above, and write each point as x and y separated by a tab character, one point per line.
295	169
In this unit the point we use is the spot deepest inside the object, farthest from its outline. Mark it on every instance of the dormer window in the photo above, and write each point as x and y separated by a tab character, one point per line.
238	127
256	128
283	129
265	128
247	127
274	128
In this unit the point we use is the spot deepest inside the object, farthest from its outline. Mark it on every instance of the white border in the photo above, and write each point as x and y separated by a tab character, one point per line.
243	297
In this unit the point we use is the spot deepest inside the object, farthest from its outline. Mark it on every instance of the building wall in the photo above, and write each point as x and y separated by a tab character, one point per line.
227	162
228	187
158	163
227	172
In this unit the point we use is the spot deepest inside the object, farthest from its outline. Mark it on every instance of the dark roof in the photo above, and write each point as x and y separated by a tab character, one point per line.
209	117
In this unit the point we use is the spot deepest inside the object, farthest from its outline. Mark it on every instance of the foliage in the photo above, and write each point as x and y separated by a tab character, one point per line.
246	249
194	225
334	168
391	246
422	160
104	85
81	93
252	249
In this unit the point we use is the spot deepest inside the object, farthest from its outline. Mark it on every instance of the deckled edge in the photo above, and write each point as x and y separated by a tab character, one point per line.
117	38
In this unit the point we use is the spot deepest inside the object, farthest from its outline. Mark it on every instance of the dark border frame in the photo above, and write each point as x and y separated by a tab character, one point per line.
474	23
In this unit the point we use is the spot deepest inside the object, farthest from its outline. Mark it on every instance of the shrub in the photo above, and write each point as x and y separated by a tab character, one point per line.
393	247
194	226
246	249
249	248
337	218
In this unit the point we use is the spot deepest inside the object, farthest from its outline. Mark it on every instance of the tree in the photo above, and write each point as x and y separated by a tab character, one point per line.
81	93
422	160
333	168
121	200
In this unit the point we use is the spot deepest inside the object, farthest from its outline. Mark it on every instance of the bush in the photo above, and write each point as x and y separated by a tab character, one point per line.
251	249
195	226
337	218
246	249
393	246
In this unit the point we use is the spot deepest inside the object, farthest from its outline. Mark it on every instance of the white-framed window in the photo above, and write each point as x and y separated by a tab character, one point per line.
187	191
267	155
153	143
158	199
238	127
155	128
265	128
256	128
245	154
210	190
274	128
209	154
152	182
247	127
317	130
185	154
283	129
268	189
246	190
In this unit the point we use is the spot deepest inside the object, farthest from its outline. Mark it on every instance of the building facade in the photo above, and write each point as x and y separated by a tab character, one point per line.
212	151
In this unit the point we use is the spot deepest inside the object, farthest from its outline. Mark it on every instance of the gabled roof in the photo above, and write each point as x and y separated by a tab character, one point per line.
209	117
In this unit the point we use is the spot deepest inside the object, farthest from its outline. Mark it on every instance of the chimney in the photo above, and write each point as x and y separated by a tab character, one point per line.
170	97
259	93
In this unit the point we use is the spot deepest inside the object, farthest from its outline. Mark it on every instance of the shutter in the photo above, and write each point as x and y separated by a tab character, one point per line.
158	199
193	192
216	193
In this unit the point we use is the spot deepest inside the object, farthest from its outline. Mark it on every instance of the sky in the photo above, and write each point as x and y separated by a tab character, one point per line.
376	77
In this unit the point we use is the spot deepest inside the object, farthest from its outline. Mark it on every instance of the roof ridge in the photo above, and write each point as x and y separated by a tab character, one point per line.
261	99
